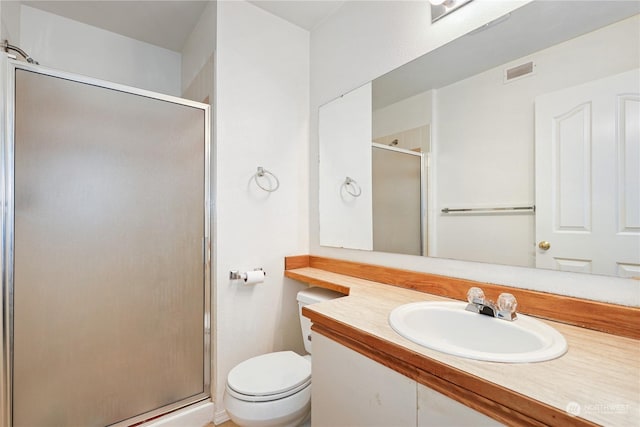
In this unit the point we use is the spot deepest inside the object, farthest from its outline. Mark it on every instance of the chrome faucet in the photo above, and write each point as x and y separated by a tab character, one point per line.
504	308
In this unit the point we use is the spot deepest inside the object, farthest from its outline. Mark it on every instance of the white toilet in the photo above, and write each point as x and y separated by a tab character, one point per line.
274	389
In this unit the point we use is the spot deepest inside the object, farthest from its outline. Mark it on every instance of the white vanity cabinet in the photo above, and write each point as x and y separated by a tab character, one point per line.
350	389
437	410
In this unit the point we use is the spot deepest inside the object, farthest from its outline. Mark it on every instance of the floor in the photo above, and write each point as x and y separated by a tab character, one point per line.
225	424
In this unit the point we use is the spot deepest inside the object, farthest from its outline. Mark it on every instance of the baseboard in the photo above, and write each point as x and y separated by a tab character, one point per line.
220	416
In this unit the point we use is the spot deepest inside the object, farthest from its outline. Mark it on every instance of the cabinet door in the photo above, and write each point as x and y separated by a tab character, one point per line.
350	389
436	410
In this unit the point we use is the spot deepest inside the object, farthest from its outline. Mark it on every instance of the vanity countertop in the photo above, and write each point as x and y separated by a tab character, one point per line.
598	377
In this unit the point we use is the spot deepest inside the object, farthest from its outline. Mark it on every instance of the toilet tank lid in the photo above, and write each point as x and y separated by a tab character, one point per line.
270	374
316	294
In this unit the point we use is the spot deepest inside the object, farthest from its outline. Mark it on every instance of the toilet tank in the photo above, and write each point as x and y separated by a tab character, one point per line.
312	296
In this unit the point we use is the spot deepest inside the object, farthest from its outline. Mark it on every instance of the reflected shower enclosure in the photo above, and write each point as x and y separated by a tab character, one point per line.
398	200
105	271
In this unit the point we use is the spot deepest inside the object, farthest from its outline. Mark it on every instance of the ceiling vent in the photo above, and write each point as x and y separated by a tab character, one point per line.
519	71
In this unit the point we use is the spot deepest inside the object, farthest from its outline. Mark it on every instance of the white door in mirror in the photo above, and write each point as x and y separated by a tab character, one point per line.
589	210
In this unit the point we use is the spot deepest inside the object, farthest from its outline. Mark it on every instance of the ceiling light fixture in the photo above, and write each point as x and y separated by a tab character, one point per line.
440	8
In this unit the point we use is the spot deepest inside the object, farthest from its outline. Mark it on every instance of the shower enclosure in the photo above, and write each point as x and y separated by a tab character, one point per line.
398	200
105	250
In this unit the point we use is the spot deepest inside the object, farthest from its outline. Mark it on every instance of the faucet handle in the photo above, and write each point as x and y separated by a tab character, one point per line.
507	305
475	295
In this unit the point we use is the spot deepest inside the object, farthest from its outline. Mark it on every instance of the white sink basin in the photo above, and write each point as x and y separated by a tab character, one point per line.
447	327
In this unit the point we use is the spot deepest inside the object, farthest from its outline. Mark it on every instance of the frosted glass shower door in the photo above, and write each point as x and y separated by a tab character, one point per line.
109	271
397	200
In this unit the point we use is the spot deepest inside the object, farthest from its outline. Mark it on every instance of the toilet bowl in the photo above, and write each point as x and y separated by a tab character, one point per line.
274	389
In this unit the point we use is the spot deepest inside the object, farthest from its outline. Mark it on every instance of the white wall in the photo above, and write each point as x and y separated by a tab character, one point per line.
200	46
10	21
262	113
364	40
410	113
68	45
490	160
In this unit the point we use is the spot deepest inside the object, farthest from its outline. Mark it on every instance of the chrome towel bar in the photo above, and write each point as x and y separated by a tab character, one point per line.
500	209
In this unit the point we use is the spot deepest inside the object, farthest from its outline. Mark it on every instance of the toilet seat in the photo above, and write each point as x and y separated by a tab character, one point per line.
269	377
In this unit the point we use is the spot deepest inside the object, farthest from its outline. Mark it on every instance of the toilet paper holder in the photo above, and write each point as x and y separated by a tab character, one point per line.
236	275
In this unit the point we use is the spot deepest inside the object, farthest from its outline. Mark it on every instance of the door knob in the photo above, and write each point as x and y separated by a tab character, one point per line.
544	245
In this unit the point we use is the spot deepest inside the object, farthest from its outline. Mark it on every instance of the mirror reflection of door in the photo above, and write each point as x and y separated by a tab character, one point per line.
588	211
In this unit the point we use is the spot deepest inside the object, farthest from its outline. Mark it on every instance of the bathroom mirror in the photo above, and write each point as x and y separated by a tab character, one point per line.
528	131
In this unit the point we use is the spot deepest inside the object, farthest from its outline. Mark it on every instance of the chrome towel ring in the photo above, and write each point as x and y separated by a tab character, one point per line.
263	173
351	186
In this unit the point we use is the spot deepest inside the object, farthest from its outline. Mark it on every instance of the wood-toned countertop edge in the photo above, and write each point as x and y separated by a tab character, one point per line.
610	318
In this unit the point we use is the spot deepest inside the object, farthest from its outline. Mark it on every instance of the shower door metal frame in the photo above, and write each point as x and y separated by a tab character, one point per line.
423	189
8	69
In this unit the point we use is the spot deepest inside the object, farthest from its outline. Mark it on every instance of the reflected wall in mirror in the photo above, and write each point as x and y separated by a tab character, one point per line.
345	129
539	108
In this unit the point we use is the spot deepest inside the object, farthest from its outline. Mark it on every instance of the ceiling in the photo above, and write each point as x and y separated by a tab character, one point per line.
168	23
307	14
